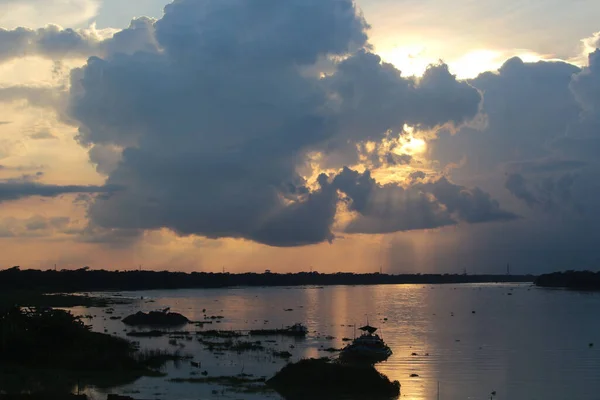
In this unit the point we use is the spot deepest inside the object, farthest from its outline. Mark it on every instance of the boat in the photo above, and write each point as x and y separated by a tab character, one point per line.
298	330
368	347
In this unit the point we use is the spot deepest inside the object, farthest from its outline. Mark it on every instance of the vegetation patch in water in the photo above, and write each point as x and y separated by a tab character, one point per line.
51	350
230	345
220	334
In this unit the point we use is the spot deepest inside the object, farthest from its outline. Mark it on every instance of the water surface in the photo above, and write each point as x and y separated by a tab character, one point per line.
523	342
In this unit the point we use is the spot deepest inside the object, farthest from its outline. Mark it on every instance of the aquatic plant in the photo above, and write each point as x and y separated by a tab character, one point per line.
47	348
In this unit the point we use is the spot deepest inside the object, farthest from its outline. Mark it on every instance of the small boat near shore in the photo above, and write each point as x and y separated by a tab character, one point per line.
368	347
297	330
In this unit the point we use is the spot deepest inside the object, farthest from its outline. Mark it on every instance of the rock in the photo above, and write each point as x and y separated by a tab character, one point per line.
156	318
322	378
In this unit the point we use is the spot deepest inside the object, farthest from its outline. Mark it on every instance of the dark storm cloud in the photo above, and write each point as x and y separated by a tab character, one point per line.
392	208
216	124
582	139
373	98
17	189
540	145
388	208
526	106
550	193
471	205
546	165
517	185
586	85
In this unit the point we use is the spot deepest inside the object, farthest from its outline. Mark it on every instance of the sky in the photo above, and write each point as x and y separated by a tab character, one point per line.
202	135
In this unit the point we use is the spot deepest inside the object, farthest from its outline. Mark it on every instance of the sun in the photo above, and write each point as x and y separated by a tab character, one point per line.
409	143
414	146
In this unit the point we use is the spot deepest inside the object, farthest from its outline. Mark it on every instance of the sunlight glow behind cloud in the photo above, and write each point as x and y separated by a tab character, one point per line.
413	60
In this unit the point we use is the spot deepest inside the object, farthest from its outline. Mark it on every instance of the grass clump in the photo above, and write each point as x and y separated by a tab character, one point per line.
45	349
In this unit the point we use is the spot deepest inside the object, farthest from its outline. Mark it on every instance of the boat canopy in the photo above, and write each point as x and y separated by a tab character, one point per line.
368	328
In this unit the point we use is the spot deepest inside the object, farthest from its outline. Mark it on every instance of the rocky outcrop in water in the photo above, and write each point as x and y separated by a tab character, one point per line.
320	378
155	318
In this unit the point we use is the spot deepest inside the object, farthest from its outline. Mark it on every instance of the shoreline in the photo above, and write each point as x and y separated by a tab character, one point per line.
86	280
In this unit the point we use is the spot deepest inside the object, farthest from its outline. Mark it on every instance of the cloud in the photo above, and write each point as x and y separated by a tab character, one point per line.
388	208
526	106
35	226
540	146
37	96
374	99
42	135
22	168
52	42
471	205
105	157
208	133
392	208
517	185
21	188
545	165
56	43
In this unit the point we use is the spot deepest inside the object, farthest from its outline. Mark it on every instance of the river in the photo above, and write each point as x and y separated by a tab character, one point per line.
519	341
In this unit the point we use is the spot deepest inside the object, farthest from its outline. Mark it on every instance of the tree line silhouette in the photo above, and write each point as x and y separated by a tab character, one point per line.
86	279
580	280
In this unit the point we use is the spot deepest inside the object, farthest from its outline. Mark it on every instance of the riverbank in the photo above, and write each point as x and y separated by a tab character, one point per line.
576	280
86	280
50	351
